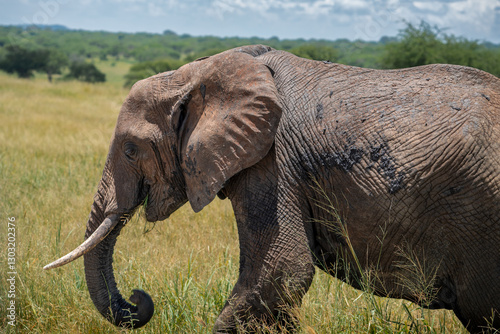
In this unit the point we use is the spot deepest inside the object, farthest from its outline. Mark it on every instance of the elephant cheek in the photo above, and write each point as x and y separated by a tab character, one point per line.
164	198
162	209
158	209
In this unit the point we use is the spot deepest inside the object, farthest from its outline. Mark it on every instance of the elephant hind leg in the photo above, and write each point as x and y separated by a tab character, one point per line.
477	324
478	302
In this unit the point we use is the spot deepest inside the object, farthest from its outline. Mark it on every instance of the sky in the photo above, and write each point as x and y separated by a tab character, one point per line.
367	20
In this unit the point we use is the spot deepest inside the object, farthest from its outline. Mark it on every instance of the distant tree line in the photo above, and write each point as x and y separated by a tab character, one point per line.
24	62
415	45
24	50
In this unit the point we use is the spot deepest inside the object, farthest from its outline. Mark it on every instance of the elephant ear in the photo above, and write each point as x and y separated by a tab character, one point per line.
228	122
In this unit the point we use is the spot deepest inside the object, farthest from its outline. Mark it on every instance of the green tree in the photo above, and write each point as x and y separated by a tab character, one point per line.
416	45
146	69
423	44
84	71
460	51
23	61
56	61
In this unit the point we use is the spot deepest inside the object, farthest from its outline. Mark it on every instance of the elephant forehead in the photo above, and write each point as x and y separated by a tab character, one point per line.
141	93
135	128
149	93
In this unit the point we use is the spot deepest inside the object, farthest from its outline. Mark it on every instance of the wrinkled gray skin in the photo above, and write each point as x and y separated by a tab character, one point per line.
410	158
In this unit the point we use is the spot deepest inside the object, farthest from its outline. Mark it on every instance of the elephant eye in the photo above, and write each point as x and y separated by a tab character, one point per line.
131	151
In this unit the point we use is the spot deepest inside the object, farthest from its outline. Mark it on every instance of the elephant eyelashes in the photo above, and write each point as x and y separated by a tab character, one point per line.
130	151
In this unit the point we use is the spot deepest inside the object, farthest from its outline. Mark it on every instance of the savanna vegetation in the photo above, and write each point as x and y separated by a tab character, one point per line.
424	44
25	50
54	139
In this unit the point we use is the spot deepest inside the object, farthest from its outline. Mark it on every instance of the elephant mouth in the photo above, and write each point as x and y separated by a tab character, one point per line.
162	211
154	216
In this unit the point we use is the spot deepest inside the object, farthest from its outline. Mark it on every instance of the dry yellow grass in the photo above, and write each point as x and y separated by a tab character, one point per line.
53	144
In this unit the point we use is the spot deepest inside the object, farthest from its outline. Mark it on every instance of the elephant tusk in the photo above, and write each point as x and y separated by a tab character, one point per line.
99	234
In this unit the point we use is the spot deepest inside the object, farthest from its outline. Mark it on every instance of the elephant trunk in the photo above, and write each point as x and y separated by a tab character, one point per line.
100	239
101	281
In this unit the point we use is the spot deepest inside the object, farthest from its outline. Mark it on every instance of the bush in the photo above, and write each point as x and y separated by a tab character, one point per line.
84	71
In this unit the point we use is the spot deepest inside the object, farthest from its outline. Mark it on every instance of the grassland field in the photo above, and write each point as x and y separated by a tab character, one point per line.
54	139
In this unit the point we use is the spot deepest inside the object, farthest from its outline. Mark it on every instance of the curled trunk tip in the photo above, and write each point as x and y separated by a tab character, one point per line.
144	310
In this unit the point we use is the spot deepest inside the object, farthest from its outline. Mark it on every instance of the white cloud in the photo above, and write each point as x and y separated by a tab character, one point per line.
316	8
301	7
458	17
476	15
155	10
428	6
89	2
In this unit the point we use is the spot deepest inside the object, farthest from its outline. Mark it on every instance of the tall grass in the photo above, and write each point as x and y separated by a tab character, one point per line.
416	276
53	143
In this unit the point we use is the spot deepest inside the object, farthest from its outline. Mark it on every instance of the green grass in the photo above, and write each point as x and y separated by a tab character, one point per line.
53	143
115	70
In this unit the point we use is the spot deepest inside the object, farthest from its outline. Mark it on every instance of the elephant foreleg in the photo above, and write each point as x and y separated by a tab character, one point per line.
276	267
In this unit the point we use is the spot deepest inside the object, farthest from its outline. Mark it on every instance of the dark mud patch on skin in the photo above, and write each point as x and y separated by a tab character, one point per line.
311	165
452	191
190	163
386	166
319	112
343	160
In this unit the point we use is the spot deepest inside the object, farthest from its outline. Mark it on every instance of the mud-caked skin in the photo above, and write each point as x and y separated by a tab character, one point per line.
408	159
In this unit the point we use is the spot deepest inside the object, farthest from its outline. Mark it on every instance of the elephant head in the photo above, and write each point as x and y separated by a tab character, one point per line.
180	136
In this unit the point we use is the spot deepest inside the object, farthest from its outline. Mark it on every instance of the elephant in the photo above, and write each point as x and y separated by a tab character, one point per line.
327	166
